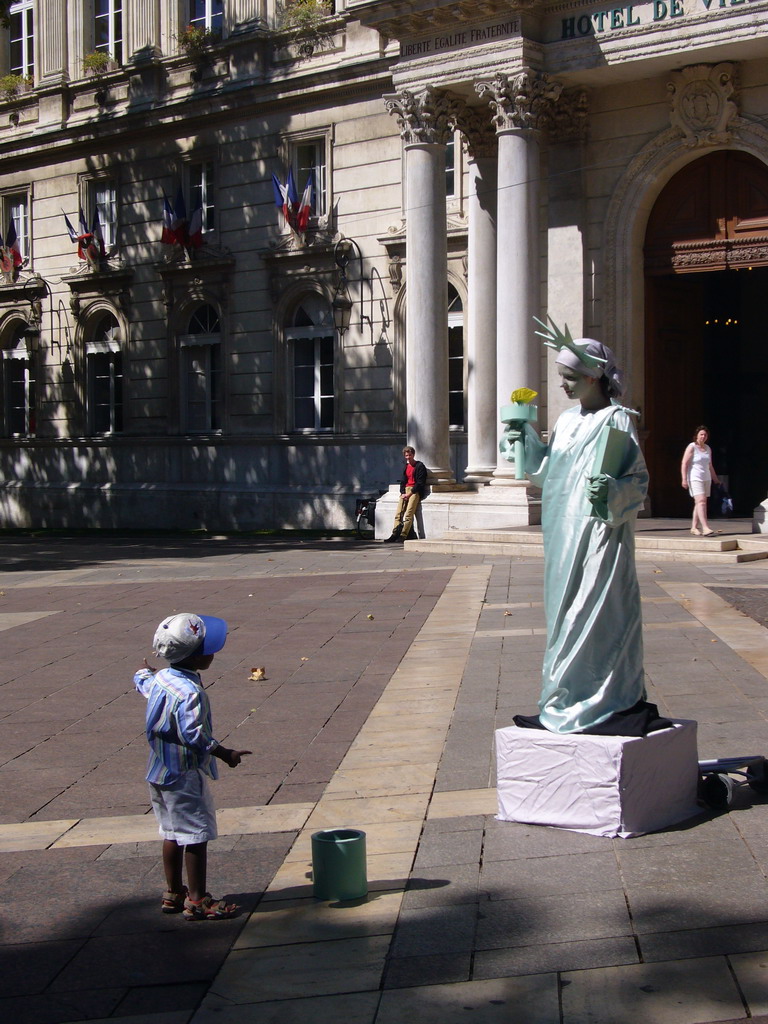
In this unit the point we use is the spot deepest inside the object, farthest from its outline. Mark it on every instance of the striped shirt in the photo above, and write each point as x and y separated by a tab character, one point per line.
179	728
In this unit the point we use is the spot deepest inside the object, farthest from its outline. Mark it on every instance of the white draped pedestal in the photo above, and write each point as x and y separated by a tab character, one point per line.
604	785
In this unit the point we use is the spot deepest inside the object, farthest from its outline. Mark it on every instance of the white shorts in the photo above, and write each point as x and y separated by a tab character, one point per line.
184	809
697	488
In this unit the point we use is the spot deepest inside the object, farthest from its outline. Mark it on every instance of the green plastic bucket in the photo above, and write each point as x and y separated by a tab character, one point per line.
338	864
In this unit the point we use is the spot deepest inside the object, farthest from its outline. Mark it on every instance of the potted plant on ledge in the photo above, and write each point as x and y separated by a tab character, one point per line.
196	43
13	85
98	64
308	19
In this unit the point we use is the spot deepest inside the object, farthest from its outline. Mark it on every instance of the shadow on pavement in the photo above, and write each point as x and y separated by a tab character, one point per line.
40	552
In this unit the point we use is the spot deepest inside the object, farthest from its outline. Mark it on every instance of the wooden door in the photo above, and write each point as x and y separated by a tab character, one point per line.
706	259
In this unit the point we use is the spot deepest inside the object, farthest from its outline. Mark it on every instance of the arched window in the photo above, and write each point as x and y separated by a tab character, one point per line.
455	359
201	387
312	355
104	377
18	384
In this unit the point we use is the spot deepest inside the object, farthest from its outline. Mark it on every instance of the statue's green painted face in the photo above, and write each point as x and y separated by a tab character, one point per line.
575	385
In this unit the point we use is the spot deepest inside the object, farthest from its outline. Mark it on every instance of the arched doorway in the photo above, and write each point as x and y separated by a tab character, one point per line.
706	278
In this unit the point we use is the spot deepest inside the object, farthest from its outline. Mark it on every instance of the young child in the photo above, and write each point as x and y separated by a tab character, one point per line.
182	754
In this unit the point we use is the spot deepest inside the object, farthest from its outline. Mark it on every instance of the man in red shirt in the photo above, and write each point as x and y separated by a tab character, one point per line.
412	486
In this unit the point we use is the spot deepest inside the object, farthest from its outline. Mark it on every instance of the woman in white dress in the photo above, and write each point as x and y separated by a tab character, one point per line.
698	472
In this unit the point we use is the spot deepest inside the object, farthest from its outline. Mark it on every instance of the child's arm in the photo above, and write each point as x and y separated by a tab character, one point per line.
194	729
142	680
229	756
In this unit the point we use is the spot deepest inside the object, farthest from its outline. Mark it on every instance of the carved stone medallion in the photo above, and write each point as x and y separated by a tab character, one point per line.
702	108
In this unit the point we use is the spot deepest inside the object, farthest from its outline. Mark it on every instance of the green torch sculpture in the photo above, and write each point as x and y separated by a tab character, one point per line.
514	417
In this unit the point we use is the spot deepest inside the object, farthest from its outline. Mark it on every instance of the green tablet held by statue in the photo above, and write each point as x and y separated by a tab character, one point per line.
612	453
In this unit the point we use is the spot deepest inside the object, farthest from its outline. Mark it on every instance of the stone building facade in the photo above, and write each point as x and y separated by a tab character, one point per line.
474	164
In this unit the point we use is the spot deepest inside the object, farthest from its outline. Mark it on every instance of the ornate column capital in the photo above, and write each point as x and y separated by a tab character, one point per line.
478	131
427	117
522	101
569	116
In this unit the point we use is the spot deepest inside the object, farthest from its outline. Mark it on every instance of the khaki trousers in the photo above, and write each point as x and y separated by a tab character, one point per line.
406	510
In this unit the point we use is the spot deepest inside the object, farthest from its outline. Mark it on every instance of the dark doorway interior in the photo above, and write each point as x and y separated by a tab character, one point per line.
706	267
708	364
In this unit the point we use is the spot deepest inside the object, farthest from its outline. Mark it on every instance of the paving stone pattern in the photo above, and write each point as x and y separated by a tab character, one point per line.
82	937
498	922
556	901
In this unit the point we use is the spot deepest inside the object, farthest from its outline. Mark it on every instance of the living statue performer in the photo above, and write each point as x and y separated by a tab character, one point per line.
593	665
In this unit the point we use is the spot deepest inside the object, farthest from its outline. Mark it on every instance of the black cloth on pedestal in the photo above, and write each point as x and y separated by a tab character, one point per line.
638	720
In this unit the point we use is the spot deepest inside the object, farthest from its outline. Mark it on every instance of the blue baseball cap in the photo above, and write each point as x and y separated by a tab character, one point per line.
184	634
215	634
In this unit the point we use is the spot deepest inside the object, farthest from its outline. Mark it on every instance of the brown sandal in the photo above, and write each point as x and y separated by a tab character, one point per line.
208	909
173	902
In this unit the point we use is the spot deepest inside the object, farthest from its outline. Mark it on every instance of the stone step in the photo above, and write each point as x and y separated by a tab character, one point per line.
515	542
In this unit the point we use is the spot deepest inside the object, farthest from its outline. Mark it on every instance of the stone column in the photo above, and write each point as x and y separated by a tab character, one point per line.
521	106
425	127
51	42
567	225
482	413
241	15
142	30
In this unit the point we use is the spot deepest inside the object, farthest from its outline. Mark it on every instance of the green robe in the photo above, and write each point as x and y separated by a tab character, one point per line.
593	664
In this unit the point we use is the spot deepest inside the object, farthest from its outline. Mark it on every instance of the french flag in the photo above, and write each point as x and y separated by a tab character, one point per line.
307	204
70	230
179	221
84	238
169	235
12	243
286	196
196	228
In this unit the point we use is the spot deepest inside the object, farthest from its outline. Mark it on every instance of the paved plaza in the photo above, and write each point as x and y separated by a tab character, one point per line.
386	673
